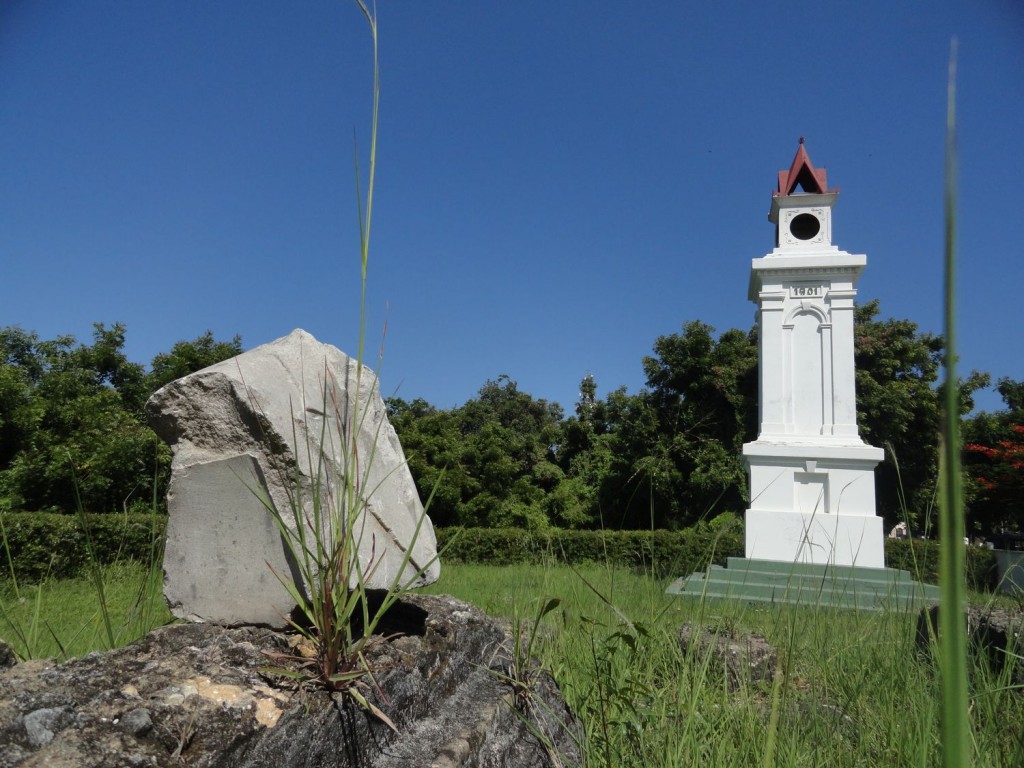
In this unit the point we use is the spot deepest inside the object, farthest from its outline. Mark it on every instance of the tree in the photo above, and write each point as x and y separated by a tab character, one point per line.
994	461
188	357
71	418
586	457
496	452
898	409
72	413
670	454
16	416
432	443
704	391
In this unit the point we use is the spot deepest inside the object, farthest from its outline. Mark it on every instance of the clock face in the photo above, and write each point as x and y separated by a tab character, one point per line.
804	226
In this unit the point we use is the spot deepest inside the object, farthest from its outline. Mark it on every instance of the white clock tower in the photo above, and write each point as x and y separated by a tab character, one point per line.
812	484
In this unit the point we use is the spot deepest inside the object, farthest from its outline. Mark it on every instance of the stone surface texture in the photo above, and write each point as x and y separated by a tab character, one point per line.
994	633
745	657
255	429
199	695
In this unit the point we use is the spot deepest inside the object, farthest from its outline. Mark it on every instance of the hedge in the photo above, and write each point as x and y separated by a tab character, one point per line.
921	558
45	545
51	545
663	553
674	553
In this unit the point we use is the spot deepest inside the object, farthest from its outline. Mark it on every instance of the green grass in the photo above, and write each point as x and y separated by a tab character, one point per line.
850	691
850	688
64	618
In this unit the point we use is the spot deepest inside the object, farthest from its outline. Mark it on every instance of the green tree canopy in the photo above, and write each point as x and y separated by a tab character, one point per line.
188	357
497	454
898	409
666	456
71	418
75	416
994	461
675	447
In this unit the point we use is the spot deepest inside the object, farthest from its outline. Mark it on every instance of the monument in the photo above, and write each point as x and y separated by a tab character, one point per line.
812	536
812	485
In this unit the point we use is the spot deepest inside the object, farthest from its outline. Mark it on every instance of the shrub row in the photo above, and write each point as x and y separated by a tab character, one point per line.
44	545
674	553
921	558
663	553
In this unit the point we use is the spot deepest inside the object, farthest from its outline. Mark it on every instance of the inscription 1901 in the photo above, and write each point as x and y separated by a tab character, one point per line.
806	291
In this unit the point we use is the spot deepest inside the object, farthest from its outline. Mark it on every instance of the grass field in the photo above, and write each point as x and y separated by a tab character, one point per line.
850	688
65	618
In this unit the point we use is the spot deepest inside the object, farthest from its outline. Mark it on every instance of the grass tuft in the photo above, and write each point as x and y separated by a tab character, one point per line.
324	526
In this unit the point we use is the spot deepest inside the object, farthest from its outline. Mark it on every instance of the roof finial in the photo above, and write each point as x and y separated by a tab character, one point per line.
803	175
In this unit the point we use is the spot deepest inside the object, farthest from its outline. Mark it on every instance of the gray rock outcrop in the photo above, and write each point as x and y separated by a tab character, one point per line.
199	695
745	657
993	633
274	426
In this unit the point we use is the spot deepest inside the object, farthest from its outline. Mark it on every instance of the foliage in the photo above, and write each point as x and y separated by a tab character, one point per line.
995	462
921	559
704	392
898	408
661	552
667	455
72	421
188	357
74	415
51	544
670	454
46	545
497	454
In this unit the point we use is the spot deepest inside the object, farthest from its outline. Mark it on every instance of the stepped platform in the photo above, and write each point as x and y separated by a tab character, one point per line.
830	586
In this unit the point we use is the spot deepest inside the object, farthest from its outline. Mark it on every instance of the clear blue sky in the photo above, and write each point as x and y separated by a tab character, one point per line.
558	184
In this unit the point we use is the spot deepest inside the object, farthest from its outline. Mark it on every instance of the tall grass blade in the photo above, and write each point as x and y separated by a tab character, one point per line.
7	554
956	739
95	571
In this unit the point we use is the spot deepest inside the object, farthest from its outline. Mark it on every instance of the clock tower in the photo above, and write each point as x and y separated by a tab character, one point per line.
812	485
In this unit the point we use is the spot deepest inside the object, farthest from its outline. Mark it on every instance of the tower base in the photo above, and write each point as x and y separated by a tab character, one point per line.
808	537
813	502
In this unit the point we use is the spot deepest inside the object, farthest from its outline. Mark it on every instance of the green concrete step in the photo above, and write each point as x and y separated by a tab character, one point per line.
786	570
807	584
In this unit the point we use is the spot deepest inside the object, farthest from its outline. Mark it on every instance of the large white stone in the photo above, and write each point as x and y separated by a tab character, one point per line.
256	427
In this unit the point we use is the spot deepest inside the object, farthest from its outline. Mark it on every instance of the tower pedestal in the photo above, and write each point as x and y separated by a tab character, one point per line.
813	503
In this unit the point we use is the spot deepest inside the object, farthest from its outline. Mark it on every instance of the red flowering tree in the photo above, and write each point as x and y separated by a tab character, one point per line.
994	459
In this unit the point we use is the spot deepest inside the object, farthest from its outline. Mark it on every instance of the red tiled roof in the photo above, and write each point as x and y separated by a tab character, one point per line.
803	174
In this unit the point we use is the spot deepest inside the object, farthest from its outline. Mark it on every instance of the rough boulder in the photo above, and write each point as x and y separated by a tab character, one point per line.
272	426
199	695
